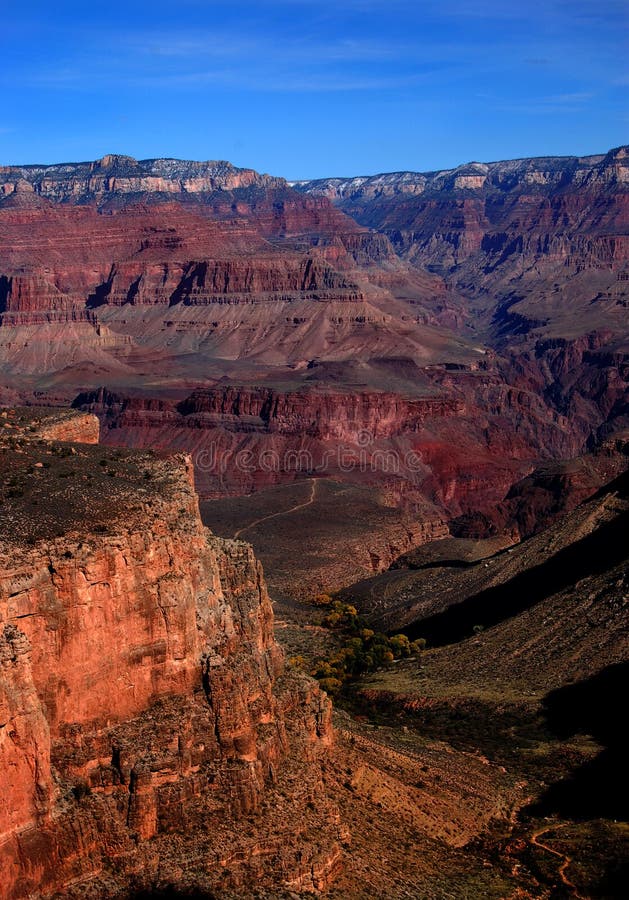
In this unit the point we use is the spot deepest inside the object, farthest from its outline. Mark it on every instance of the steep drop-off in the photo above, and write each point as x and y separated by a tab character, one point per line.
145	709
552	608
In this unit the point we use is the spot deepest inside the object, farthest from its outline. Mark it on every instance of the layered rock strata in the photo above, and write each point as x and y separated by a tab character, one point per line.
460	445
144	706
540	246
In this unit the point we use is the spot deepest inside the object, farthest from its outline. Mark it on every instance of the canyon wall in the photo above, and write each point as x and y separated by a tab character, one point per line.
138	282
472	321
124	174
537	245
144	705
539	250
459	447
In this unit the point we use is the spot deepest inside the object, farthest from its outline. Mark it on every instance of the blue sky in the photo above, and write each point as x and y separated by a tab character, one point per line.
308	88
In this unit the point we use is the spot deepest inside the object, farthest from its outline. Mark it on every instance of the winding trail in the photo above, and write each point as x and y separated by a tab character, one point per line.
283	512
534	840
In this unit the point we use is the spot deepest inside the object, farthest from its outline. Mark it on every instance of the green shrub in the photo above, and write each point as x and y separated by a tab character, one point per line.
331	685
363	649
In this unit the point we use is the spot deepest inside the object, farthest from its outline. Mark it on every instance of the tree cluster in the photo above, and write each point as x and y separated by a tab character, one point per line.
362	650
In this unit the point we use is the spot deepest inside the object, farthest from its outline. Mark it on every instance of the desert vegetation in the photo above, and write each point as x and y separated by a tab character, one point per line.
360	649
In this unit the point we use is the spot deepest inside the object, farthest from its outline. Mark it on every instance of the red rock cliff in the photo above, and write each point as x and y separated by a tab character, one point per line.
143	694
462	444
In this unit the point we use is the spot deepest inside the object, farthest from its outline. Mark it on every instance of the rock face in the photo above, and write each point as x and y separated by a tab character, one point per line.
546	171
49	424
539	247
460	446
126	275
125	175
143	695
531	242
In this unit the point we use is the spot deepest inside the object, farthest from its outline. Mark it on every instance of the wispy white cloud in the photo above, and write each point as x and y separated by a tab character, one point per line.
303	84
224	45
551	103
445	44
250	62
228	78
576	97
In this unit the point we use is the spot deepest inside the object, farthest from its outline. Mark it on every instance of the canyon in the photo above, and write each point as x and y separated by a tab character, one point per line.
153	740
434	337
409	390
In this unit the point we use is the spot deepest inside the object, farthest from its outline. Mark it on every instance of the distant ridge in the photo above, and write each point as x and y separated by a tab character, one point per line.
124	174
501	175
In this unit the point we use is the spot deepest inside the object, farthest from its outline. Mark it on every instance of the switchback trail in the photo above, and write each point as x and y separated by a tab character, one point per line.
283	512
534	840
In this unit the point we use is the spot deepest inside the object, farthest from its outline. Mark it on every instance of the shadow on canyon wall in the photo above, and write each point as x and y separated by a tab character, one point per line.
596	706
592	555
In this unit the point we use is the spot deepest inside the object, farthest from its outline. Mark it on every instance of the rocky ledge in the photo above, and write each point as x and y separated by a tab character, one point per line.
146	720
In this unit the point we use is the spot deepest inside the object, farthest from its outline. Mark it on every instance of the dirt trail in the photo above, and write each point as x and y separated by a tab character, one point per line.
534	839
283	512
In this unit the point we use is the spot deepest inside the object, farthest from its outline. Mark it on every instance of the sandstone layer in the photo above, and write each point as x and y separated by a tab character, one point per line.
459	446
145	708
130	279
539	247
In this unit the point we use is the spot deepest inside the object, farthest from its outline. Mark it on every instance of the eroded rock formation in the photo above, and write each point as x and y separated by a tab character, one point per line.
144	707
539	247
128	265
460	445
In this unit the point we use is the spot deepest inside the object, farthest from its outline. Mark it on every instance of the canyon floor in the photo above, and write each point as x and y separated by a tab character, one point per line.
512	720
316	534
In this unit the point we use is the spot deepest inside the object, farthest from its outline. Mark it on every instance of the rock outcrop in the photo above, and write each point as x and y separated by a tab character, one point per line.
144	706
125	175
46	423
517	175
